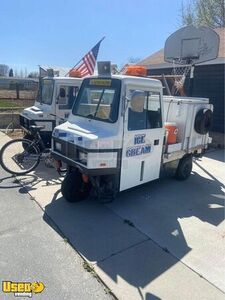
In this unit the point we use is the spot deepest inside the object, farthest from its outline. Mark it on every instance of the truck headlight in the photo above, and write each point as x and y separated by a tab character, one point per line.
83	157
55	133
58	146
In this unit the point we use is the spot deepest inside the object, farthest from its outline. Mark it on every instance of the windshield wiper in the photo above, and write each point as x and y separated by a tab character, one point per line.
99	102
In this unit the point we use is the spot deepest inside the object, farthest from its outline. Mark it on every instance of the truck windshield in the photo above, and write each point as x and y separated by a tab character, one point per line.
46	91
98	99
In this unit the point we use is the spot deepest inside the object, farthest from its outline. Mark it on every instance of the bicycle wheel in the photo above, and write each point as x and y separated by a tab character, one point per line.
9	128
17	160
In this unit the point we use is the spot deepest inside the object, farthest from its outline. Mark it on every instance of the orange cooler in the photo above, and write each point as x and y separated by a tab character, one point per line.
172	132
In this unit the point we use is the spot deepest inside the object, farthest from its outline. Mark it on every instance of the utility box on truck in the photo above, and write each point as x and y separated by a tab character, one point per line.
192	128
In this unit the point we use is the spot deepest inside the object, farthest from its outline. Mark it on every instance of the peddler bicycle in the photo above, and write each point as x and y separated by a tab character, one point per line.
21	156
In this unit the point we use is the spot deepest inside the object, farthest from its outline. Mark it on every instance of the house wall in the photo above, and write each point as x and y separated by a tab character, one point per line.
209	82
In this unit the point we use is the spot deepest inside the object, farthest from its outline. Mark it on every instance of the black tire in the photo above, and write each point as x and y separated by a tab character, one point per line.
203	121
184	168
7	168
73	188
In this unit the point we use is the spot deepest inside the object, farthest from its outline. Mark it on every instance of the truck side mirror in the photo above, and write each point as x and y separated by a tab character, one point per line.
126	101
62	93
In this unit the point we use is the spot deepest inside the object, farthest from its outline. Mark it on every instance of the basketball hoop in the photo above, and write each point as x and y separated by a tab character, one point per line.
187	47
179	72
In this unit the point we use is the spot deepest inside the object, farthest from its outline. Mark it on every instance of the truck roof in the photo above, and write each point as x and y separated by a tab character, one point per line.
63	78
145	81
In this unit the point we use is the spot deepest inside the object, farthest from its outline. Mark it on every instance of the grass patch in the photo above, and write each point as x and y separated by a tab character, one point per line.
66	240
7	104
89	268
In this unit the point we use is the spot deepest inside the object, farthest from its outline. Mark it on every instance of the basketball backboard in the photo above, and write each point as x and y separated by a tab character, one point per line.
191	45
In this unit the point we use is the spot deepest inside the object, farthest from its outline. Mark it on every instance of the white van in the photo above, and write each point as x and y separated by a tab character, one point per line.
55	99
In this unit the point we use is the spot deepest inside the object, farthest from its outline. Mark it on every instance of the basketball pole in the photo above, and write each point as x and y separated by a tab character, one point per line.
191	80
166	85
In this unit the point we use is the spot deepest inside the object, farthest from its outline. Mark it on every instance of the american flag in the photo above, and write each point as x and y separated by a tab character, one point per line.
87	64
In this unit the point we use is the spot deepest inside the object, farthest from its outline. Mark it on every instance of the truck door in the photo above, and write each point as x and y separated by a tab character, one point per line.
66	96
143	138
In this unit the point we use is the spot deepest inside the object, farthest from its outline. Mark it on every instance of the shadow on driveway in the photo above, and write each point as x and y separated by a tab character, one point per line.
147	214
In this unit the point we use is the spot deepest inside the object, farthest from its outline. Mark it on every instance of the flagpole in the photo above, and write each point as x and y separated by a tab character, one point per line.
82	57
74	66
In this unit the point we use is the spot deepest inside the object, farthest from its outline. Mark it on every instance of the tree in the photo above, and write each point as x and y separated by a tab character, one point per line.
11	73
130	61
204	13
15	72
4	69
133	60
188	15
33	74
21	73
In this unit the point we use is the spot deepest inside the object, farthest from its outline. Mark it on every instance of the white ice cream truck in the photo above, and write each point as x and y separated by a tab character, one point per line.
122	132
111	146
56	96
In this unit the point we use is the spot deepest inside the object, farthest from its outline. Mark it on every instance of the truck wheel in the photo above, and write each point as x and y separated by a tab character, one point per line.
73	188
184	168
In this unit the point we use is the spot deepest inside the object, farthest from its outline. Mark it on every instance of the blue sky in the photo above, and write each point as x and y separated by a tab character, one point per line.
60	32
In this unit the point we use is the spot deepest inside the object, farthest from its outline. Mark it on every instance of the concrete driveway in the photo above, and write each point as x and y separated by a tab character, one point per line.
31	250
164	240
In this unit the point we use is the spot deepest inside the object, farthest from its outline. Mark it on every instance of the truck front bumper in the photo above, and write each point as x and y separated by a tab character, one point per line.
69	154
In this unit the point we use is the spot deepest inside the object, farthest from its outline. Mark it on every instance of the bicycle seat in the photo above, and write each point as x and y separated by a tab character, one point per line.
37	127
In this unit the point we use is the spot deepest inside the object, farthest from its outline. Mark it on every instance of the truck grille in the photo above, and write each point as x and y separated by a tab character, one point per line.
67	149
26	123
